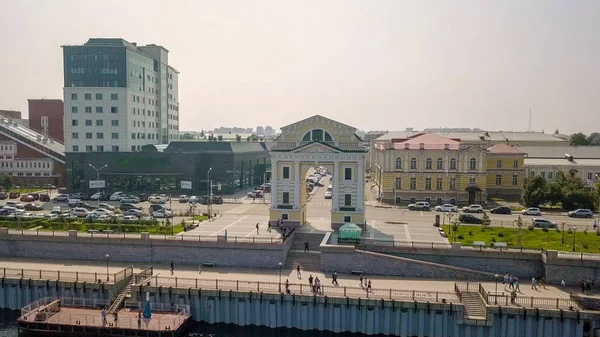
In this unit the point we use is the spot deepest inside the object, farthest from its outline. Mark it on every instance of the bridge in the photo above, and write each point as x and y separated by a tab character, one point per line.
34	140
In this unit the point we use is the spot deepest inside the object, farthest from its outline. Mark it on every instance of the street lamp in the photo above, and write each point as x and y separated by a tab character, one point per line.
107	277
598	210
496	293
573	229
208	187
98	178
280	266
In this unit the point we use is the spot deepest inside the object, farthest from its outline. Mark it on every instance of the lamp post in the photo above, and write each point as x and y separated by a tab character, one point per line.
450	215
573	229
107	277
496	293
598	209
280	266
208	186
98	178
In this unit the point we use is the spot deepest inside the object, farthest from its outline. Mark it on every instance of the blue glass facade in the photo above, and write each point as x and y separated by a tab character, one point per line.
95	66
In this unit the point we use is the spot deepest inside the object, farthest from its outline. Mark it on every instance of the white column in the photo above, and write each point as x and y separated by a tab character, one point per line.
274	183
336	186
297	185
360	199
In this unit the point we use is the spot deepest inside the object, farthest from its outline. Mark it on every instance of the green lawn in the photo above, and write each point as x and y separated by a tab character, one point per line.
531	239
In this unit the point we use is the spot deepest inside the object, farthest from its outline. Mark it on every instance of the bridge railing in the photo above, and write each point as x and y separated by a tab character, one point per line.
70	276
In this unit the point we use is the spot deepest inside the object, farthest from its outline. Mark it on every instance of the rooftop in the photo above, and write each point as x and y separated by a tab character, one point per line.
429	141
495	136
578	152
207	146
503	149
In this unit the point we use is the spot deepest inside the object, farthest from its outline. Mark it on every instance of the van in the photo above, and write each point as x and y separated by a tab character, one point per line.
329	188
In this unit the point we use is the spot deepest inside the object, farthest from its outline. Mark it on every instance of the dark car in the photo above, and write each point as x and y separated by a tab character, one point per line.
469	219
27	198
44	197
126	206
143	197
86	196
217	200
204	200
14	195
33	207
3	195
501	210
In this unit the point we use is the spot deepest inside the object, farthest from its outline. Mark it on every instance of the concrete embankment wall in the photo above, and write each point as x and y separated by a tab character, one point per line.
145	250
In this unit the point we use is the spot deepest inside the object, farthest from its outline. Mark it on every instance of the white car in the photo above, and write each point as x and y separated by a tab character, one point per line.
95	196
446	208
473	209
183	198
62	197
130	218
255	194
80	212
56	210
162	214
27	215
103	217
532	211
164	197
193	199
102	211
106	206
156	200
129	199
117	196
328	195
50	216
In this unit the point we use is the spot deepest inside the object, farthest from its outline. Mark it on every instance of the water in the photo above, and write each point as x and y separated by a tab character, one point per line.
9	329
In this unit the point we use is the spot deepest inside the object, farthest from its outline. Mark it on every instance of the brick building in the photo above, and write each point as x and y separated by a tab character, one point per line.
10	114
47	113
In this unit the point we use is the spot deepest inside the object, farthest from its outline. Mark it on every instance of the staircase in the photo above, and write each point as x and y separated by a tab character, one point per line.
474	307
310	261
125	292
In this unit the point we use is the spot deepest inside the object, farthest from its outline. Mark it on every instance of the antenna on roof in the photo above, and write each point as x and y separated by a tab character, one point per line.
529	127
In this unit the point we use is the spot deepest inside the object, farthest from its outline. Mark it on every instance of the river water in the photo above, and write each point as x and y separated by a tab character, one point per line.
9	329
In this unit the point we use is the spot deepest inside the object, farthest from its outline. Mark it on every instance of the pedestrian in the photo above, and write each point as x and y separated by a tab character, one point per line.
287	286
542	282
582	286
269	226
505	279
103	313
511	282
298	271
361	279
172	268
306	247
533	286
116	318
595	223
517	286
225	235
334	278
318	285
310	280
513	296
563	284
139	320
253	199
257	228
369	287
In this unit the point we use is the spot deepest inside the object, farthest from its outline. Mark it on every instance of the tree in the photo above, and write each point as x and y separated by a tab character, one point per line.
202	134
554	193
186	136
210	137
594	138
579	139
5	181
220	137
535	192
238	138
574	192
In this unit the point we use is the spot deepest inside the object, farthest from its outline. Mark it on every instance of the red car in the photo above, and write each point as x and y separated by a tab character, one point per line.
27	198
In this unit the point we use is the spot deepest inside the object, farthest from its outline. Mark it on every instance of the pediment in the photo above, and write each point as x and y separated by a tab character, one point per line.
315	148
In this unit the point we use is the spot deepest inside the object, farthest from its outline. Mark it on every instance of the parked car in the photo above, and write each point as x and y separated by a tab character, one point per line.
446	208
20	205
419	206
33	207
217	200
473	209
51	216
143	197
255	194
156	207
56	210
130	199
117	196
162	214
469	219
3	195
132	212
193	199
96	195
62	197
44	197
11	203
81	212
106	206
165	197
27	198
581	213
102	211
83	204
328	195
543	223
156	200
183	198
14	195
130	218
531	211
125	207
501	210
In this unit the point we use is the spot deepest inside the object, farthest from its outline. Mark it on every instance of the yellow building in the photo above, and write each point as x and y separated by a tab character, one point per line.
506	172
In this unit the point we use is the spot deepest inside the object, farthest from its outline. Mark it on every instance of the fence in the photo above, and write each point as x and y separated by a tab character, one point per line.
578	256
71	276
302	289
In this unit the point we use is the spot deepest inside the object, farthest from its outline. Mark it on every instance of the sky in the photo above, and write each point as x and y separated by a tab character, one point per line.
372	64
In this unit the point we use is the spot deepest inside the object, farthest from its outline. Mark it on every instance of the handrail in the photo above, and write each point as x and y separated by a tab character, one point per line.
70	276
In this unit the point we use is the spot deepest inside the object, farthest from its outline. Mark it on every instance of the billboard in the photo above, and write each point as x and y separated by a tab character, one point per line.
186	185
97	184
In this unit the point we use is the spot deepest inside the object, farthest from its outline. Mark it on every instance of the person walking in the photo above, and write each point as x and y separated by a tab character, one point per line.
287	286
269	226
298	271
139	319
361	279
103	313
533	285
582	286
225	235
257	228
318	285
511	282
172	268
563	284
116	318
369	286
310	280
306	247
595	224
334	278
517	286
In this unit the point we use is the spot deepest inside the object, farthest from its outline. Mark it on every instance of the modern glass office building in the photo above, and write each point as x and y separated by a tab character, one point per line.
235	166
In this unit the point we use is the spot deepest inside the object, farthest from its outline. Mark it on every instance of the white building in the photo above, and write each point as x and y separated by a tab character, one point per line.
118	96
11	165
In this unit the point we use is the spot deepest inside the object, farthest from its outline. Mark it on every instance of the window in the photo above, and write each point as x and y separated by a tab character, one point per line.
88	122
88	135
440	164
453	164
498	179
114	109
74	122
115	135
100	148
115	148
439	201
348	173
452	183
516	164
543	174
428	164
499	163
99	122
99	110
132	148
133	98
75	148
532	174
286	197
347	199
398	183
515	179
114	97
413	183
453	201
286	172
438	184
413	163
74	109
88	97
428	199
427	183
133	135
284	216
73	97
472	164
550	175
98	97
317	135
88	109
590	175
99	135
347	218
398	163
88	148
114	122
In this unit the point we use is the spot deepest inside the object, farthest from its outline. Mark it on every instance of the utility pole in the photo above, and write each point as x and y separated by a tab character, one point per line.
208	190
98	178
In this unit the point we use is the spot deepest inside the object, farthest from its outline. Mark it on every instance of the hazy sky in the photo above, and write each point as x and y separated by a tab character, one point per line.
373	64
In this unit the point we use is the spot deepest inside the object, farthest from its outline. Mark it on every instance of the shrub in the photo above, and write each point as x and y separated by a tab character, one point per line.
460	237
545	229
585	246
598	232
493	239
531	227
501	234
470	233
569	231
585	231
